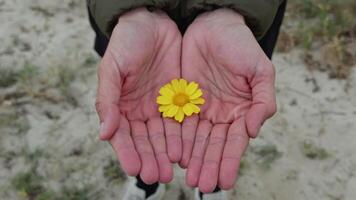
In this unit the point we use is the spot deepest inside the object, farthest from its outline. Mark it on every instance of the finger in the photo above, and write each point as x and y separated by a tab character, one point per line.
108	95
196	161
210	171
189	129
158	141
149	168
235	146
125	149
263	98
174	139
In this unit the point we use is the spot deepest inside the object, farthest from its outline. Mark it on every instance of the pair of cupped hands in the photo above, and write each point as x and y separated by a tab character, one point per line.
220	53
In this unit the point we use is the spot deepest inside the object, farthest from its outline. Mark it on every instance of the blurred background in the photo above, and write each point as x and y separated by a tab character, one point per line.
49	147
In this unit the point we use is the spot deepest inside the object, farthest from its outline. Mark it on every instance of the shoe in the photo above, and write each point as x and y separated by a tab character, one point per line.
135	193
220	195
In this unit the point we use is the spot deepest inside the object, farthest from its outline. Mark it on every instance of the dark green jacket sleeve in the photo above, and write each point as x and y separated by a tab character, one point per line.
106	12
258	14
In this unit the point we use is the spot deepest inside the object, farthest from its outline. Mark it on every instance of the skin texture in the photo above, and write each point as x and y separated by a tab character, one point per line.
143	54
220	53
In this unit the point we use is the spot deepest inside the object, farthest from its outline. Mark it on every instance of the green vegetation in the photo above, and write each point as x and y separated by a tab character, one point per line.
65	78
35	83
113	172
320	20
168	186
28	184
33	157
90	60
47	195
41	11
244	165
26	77
28	73
7	119
322	26
8	78
267	154
314	152
75	193
14	122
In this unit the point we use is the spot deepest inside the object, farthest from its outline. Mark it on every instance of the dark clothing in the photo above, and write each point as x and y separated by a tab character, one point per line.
258	14
101	41
267	42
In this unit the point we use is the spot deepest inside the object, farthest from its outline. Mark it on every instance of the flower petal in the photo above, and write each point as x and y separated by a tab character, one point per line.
164	100
175	85
172	111
197	101
196	94
179	115
182	85
195	108
169	86
166	91
191	88
188	110
165	113
164	108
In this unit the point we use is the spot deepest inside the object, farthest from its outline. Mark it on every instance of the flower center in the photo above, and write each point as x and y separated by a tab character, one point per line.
180	99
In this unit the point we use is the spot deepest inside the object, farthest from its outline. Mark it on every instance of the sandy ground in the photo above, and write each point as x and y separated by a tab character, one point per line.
49	148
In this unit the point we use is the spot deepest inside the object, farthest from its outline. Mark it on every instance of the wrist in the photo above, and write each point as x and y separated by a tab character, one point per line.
222	16
144	16
229	15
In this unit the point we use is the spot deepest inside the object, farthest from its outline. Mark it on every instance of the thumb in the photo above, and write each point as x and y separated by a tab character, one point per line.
108	96
263	98
109	123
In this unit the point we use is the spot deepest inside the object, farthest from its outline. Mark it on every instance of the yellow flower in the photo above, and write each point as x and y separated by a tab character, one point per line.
178	98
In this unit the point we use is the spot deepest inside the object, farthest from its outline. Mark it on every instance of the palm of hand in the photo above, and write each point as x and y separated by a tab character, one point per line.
237	81
143	54
147	58
236	78
208	59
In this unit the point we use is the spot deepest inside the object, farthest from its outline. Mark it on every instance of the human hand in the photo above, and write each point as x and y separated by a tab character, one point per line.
237	79
143	54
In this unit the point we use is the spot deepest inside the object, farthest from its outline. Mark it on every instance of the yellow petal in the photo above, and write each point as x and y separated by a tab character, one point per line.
188	110
182	84
196	94
197	101
169	86
179	115
163	108
191	88
175	85
166	91
165	113
164	100
195	108
172	111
